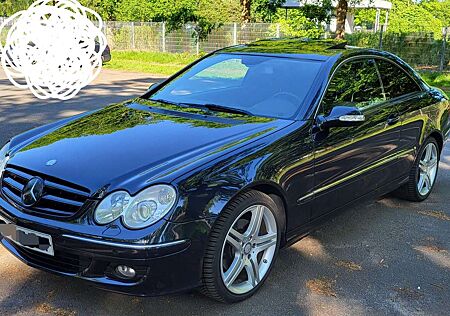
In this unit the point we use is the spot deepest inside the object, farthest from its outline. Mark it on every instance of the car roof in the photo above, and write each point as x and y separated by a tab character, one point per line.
303	48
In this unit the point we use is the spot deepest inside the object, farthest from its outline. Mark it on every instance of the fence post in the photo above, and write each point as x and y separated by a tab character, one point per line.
133	41
278	30
105	30
163	31
197	44
235	34
386	19
377	20
380	43
444	39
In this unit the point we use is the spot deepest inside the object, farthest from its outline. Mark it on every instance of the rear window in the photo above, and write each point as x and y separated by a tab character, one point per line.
261	85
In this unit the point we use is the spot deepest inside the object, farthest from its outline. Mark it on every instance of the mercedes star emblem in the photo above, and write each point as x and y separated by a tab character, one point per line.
33	191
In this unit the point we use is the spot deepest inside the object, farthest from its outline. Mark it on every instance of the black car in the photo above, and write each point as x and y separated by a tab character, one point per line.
106	55
199	182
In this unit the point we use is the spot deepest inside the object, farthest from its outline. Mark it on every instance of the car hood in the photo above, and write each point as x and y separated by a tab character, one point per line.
137	143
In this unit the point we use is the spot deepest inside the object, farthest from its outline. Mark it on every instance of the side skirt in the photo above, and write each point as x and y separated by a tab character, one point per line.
298	233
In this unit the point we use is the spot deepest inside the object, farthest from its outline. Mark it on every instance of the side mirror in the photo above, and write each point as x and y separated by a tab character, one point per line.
154	86
341	116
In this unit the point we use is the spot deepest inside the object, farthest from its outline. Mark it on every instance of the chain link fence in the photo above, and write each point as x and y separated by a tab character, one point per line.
156	37
422	50
425	51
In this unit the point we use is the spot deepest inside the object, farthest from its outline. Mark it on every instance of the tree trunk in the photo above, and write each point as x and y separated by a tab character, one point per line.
341	15
246	13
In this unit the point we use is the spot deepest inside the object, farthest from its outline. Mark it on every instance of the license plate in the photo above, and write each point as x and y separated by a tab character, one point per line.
28	238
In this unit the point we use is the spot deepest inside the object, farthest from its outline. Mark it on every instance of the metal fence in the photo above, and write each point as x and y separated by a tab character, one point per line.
425	51
422	50
156	37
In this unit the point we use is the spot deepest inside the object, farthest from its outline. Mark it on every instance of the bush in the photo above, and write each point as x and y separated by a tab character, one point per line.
418	49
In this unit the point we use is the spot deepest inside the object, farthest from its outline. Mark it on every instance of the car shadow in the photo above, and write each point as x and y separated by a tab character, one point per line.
386	256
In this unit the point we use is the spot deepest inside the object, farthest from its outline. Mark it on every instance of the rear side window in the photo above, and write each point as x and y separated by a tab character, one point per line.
355	83
395	81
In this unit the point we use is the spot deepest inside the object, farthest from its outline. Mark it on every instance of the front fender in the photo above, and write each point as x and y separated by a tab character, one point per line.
206	193
273	165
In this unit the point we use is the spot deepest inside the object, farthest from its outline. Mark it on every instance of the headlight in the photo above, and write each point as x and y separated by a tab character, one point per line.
142	210
3	158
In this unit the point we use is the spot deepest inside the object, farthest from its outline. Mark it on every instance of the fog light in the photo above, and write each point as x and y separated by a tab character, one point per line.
125	272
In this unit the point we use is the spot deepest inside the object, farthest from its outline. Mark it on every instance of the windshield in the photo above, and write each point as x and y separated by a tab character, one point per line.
252	84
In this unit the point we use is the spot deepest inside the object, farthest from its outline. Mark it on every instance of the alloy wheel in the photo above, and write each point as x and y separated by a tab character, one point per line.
248	249
428	165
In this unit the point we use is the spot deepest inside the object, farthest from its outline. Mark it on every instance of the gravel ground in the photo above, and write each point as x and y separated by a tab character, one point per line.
382	257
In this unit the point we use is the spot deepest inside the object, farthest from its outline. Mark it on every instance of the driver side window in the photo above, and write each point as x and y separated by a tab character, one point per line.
355	83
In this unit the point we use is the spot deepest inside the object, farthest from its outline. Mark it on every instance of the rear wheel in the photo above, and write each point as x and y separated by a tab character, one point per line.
242	248
423	174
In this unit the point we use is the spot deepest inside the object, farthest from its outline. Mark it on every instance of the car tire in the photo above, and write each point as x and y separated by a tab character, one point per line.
423	173
237	244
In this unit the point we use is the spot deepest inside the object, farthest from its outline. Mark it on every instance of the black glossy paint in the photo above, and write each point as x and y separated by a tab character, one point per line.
210	158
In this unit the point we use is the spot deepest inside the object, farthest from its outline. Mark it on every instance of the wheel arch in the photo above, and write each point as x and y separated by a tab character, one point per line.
277	194
439	139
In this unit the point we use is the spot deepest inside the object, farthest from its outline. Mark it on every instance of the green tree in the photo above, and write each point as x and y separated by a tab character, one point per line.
304	22
9	7
264	10
106	8
439	9
365	17
206	14
409	17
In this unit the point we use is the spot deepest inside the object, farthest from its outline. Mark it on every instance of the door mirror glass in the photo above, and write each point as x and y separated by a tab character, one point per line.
341	116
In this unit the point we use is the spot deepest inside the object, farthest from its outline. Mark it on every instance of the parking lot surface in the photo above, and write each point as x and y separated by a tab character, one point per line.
381	257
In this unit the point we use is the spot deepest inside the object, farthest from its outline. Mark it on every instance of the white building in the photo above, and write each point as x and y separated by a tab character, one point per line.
382	6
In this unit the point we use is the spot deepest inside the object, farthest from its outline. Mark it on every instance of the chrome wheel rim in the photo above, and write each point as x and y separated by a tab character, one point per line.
248	249
428	165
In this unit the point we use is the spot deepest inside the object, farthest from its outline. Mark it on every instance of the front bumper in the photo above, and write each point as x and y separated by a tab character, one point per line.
160	268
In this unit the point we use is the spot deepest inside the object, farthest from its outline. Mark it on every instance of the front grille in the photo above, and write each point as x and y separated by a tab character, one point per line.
61	261
61	199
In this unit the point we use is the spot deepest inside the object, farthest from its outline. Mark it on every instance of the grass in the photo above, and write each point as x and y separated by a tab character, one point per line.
149	62
437	79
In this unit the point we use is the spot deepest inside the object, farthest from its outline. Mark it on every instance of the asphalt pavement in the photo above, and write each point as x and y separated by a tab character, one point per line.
381	257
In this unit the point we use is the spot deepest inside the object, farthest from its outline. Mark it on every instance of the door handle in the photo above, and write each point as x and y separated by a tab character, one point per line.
393	119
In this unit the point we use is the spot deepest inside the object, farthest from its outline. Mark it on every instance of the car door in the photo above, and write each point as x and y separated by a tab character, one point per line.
350	162
401	90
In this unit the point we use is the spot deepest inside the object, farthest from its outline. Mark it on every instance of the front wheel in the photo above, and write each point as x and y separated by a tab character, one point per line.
242	248
423	174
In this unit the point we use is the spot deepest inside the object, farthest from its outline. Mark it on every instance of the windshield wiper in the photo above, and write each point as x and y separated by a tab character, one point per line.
218	108
166	102
209	107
